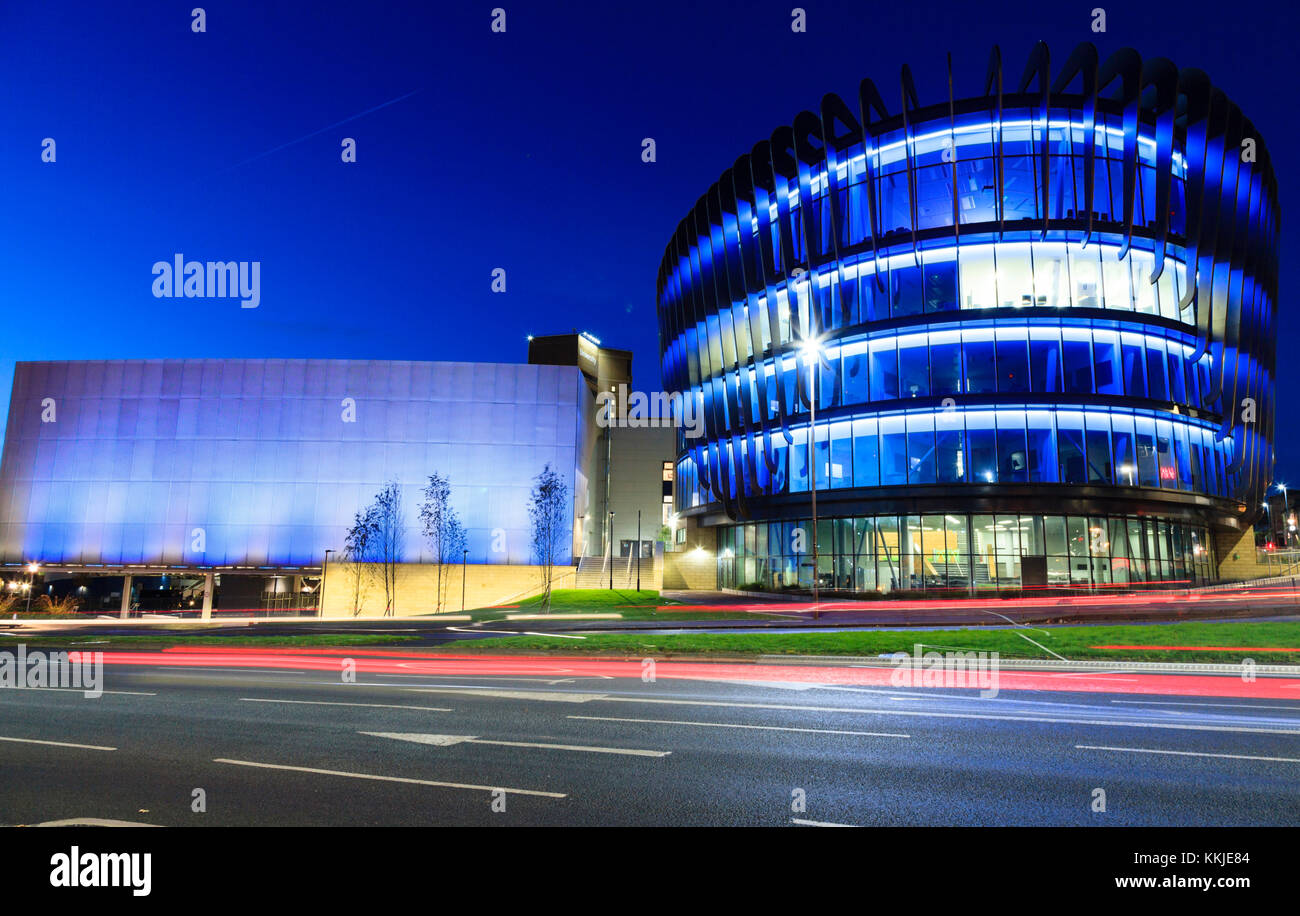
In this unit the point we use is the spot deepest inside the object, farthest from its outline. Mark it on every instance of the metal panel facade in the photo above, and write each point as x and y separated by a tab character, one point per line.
122	462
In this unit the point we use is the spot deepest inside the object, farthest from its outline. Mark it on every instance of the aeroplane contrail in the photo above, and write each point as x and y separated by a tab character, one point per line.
315	133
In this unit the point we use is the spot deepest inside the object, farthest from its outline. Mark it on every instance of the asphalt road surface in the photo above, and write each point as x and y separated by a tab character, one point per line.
552	744
1276	602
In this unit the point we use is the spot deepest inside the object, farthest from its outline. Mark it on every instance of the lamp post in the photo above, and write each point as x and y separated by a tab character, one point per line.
324	570
464	568
611	551
812	352
32	570
638	550
1286	514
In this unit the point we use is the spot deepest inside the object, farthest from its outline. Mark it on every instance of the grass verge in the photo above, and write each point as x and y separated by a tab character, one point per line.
629	604
1224	642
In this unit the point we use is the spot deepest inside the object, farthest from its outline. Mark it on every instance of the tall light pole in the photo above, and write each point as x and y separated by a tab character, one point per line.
32	570
1286	514
611	551
1269	511
324	569
812	352
638	550
464	568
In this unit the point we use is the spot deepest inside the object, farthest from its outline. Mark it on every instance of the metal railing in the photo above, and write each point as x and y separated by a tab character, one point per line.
1279	562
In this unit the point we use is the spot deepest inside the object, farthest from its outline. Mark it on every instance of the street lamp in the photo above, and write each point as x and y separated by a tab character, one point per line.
1286	512
611	551
320	602
464	568
812	351
32	569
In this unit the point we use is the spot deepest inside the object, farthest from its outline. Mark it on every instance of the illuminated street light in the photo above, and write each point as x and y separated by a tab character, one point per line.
1286	512
32	568
812	351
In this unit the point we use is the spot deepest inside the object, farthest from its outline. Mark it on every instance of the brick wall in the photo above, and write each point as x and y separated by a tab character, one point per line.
1244	565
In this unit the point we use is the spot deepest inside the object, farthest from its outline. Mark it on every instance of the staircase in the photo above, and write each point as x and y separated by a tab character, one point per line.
593	572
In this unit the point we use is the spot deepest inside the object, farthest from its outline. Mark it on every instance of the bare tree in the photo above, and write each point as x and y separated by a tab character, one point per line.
442	528
455	541
389	540
358	544
548	505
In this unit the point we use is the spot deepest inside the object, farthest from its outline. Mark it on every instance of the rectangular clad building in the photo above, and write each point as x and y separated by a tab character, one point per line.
263	463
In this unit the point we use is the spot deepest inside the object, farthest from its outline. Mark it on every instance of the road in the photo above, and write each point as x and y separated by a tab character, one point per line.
280	738
696	614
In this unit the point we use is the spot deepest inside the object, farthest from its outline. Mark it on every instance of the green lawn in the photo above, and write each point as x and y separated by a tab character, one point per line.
1071	642
1236	641
629	604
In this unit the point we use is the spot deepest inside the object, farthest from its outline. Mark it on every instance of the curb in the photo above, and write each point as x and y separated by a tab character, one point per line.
1037	664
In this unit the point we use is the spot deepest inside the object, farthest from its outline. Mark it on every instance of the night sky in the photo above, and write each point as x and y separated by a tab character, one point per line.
475	151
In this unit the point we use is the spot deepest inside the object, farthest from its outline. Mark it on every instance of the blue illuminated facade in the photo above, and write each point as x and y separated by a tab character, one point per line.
1042	320
262	464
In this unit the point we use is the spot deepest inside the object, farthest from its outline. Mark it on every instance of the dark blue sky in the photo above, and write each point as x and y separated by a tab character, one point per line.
519	151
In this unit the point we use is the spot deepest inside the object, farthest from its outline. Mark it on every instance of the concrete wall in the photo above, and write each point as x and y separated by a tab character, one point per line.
636	457
485	585
695	565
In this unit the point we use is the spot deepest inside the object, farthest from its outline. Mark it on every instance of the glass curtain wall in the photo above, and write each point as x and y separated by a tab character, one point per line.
964	553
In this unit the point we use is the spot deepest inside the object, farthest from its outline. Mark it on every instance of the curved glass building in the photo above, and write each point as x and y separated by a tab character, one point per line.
1018	338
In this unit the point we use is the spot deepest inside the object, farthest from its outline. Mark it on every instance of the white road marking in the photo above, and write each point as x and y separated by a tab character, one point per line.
768	728
514	694
120	693
1153	750
1098	675
84	747
555	635
765	685
629	752
1016	623
1041	646
957	715
93	822
1215	705
1020	701
434	740
449	740
403	779
250	669
535	679
800	822
329	703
